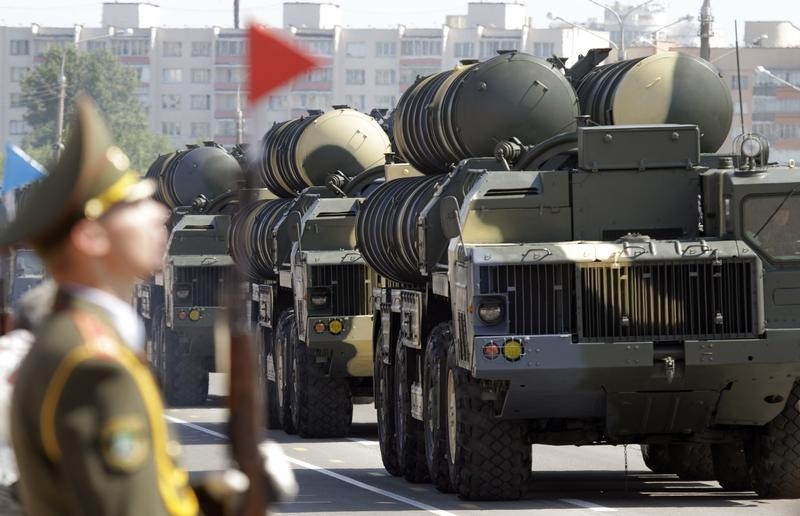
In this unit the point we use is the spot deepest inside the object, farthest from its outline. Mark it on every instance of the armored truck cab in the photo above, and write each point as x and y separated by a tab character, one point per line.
634	298
313	311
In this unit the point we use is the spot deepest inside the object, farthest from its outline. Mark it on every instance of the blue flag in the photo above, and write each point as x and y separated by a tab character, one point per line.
20	169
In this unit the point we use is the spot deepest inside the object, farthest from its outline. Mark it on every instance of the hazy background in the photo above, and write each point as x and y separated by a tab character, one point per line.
378	13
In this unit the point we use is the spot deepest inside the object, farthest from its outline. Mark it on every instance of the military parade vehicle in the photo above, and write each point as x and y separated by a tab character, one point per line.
179	305
309	288
20	268
553	278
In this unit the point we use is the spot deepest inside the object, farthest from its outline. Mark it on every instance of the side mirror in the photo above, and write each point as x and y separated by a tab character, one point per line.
295	223
451	224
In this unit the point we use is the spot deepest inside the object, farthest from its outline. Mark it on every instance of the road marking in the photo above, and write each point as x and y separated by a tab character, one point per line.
300	449
587	505
362	442
337	461
353	482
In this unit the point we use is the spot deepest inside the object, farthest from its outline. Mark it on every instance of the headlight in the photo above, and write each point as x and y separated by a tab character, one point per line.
491	311
751	147
319	297
182	292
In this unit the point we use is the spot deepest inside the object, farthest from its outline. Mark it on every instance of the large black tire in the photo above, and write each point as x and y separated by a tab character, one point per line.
187	377
692	461
284	374
183	379
321	405
773	453
384	406
410	436
266	355
490	458
657	458
435	403
155	345
730	466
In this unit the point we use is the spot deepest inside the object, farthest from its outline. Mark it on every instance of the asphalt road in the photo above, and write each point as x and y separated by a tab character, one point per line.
345	476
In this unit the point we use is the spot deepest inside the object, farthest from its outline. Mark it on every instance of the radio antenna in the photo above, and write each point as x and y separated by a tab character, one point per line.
738	72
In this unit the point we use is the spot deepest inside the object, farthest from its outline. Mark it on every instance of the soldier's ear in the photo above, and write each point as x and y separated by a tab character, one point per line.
90	238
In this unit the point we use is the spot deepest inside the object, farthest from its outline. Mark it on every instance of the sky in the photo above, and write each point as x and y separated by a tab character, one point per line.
380	13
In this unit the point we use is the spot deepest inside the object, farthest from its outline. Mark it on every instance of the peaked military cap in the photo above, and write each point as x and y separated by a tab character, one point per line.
92	176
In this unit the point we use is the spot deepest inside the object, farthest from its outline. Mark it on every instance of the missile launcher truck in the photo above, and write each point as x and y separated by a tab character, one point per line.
309	288
552	281
179	305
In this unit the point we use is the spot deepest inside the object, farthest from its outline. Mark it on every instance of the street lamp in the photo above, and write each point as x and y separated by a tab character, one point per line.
682	19
621	19
584	29
761	69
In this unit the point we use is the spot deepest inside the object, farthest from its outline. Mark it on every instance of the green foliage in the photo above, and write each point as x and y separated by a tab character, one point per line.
108	82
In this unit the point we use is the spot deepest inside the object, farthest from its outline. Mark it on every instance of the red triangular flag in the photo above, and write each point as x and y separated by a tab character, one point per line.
273	61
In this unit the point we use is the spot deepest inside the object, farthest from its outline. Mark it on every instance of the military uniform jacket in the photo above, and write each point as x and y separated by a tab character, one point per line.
88	426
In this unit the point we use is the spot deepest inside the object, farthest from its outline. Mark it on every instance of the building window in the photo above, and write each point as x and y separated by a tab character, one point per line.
226	127
385	101
130	47
142	73
225	101
15	100
201	130
355	101
277	102
544	49
311	101
95	46
355	49
464	50
201	48
490	47
421	47
171	128
385	49
19	47
385	77
230	47
320	75
172	49
144	101
735	82
171	101
318	47
201	75
18	127
171	75
231	74
354	77
17	73
409	75
201	102
42	46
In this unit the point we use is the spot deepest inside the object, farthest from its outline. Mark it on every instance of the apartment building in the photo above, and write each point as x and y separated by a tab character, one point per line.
189	77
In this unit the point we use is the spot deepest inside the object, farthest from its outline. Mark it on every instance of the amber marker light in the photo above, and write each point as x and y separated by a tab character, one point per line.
512	350
335	327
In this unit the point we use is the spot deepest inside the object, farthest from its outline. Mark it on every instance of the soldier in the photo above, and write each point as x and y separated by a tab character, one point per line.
87	423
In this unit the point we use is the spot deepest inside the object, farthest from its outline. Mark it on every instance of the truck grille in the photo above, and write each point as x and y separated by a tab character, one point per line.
667	301
349	284
598	302
540	296
207	283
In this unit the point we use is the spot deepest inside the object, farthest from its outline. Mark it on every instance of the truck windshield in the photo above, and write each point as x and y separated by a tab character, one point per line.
772	224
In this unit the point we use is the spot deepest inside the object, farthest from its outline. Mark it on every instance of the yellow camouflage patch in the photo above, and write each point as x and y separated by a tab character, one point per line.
124	443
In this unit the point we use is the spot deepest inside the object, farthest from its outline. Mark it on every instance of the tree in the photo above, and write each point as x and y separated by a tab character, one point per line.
109	83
